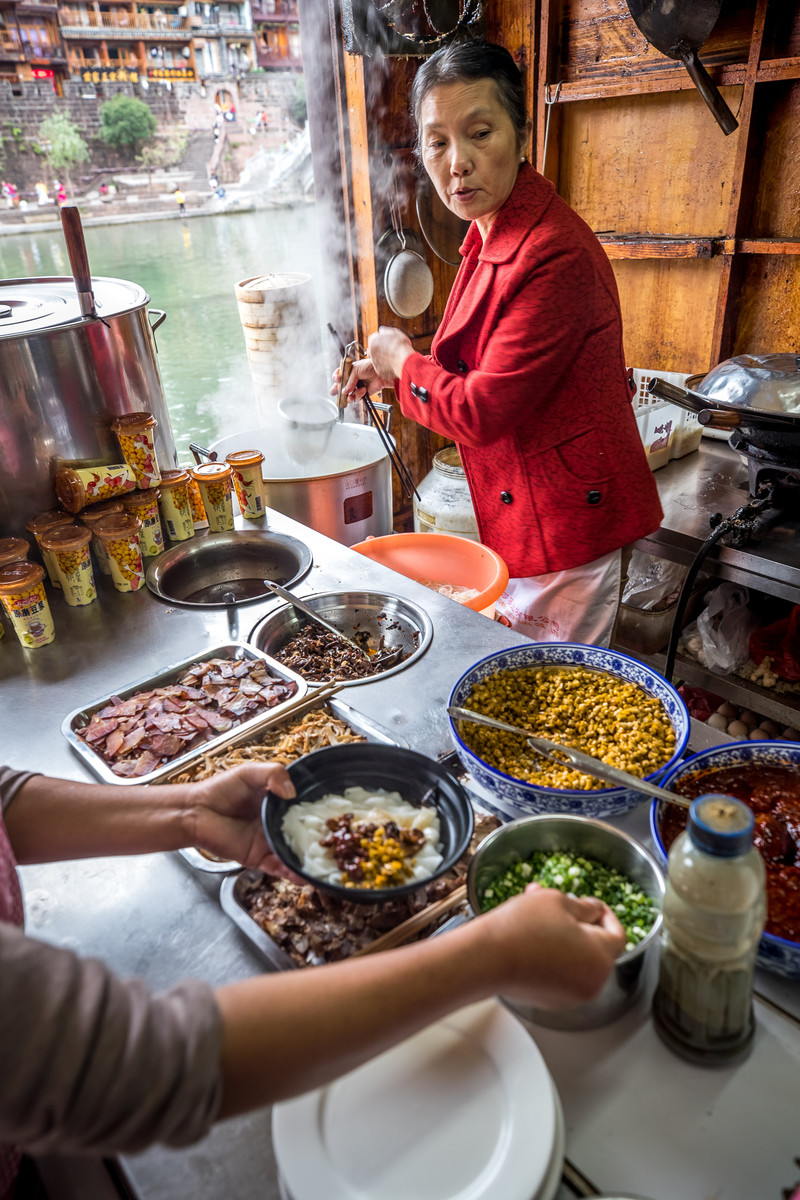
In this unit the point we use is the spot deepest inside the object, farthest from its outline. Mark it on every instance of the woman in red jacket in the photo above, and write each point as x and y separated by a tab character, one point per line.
526	372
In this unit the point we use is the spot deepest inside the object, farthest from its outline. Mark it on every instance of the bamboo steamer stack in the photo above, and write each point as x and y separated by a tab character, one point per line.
281	329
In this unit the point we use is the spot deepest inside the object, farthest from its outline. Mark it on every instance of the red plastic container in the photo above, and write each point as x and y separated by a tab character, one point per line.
442	558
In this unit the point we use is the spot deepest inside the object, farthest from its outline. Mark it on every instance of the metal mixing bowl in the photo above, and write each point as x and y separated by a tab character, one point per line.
220	569
520	839
386	621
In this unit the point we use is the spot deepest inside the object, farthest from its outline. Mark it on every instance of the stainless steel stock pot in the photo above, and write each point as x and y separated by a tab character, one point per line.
64	376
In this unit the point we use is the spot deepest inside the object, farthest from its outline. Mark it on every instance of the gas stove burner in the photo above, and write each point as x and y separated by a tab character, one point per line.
777	462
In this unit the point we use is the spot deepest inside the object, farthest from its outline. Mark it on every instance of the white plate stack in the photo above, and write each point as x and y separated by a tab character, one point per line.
464	1110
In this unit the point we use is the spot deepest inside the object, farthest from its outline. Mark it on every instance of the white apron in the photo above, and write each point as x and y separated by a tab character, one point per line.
578	605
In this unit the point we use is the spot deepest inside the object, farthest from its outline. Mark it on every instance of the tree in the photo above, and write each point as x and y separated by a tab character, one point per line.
163	152
126	123
65	146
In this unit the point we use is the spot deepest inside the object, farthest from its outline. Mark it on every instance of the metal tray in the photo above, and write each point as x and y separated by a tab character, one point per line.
390	621
230	899
357	722
79	718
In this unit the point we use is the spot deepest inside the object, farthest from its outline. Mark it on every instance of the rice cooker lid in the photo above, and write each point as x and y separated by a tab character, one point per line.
38	305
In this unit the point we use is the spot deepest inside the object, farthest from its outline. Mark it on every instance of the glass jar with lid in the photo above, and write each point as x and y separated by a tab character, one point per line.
444	504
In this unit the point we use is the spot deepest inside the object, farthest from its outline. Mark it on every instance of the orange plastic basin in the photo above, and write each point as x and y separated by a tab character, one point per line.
442	558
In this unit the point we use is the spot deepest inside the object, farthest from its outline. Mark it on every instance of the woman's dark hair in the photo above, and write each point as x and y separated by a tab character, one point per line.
464	61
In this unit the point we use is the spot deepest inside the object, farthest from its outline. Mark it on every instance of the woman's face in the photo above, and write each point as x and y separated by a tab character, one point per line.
470	149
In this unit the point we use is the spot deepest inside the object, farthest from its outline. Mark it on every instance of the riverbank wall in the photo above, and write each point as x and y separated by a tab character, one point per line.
178	106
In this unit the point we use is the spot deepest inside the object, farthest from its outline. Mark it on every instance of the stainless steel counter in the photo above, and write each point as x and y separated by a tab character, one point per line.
693	489
714	480
155	916
632	1109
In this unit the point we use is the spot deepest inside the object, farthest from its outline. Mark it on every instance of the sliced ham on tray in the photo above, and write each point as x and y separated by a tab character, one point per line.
151	728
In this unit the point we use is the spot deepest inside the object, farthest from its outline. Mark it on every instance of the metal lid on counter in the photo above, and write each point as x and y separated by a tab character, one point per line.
37	305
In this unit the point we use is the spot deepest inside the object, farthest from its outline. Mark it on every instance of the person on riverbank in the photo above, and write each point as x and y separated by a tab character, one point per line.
180	200
91	1063
42	194
10	193
61	195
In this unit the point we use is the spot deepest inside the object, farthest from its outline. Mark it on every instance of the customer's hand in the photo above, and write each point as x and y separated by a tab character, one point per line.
223	814
551	950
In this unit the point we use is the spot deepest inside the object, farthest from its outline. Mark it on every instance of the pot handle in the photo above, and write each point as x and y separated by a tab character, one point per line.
160	315
692	401
388	411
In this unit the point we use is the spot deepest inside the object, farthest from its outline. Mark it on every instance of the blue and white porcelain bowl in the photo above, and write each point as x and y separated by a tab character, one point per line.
516	797
775	954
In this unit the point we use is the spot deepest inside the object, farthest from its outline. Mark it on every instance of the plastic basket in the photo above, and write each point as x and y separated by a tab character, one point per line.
667	431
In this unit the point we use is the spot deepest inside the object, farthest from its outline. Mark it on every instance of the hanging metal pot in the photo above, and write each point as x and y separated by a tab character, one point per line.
678	29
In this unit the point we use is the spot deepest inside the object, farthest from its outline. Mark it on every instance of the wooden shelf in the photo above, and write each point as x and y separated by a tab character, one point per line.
642	246
645	246
781	707
672	79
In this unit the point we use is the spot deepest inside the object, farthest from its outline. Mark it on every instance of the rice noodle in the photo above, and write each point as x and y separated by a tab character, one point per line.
451	590
306	825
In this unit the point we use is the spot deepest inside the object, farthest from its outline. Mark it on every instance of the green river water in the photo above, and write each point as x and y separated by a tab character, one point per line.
189	268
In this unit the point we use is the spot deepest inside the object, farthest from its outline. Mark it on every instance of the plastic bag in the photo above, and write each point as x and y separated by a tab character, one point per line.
781	641
653	584
720	638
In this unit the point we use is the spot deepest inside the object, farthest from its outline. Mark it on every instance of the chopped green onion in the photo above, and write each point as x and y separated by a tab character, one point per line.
580	877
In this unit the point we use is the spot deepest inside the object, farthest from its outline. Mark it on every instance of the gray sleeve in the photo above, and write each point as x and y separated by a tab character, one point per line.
10	783
90	1062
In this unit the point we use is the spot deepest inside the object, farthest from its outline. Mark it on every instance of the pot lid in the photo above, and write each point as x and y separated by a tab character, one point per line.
757	383
38	305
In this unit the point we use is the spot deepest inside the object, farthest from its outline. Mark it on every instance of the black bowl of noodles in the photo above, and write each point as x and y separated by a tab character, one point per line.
392	819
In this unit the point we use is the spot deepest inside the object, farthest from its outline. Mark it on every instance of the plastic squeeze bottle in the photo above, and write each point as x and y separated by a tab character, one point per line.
715	907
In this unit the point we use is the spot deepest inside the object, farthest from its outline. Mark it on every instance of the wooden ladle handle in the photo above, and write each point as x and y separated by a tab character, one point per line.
78	258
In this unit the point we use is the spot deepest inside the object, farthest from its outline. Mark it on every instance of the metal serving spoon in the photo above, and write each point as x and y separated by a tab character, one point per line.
386	659
584	763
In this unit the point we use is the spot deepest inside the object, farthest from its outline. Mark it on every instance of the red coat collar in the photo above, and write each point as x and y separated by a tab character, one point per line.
522	210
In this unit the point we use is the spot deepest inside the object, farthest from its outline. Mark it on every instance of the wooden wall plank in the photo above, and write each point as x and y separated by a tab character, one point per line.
776	204
362	198
782	33
667	312
598	35
769	301
648	165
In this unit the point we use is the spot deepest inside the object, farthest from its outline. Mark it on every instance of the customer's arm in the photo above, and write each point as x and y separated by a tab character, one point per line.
90	1062
288	1033
52	819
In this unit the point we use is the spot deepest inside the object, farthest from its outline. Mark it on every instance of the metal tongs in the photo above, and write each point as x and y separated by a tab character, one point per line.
345	367
584	763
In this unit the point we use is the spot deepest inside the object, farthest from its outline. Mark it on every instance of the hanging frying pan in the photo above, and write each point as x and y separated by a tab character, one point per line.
678	29
442	229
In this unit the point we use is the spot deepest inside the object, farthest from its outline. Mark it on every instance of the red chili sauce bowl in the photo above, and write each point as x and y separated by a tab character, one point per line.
766	776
